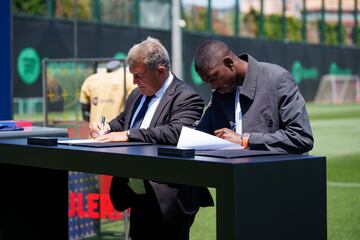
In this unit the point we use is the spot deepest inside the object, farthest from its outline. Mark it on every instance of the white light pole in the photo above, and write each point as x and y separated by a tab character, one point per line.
75	29
176	39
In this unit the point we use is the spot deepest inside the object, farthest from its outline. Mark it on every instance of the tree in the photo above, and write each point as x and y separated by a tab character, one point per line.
65	9
196	19
31	7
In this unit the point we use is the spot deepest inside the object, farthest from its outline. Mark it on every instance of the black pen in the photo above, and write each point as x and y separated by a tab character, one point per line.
232	126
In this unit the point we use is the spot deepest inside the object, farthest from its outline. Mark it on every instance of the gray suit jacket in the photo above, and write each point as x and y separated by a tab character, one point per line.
180	106
272	107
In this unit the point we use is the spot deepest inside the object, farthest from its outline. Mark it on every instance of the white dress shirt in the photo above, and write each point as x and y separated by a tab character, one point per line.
152	105
238	114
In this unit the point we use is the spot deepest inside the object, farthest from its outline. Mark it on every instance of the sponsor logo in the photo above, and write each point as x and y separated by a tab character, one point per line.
91	205
97	101
301	73
28	66
334	69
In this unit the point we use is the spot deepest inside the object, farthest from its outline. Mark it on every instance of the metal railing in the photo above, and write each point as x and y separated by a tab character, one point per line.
132	12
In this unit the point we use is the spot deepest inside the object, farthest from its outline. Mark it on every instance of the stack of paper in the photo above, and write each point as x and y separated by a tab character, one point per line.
190	138
77	141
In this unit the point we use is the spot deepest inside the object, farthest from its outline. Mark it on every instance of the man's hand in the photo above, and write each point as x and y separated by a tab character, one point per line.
96	129
114	137
229	135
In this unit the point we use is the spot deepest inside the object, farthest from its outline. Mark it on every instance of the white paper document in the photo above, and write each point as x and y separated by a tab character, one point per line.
191	138
74	141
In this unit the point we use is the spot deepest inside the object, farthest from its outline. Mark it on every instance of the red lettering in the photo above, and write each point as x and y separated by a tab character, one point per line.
71	212
106	208
77	207
81	213
93	205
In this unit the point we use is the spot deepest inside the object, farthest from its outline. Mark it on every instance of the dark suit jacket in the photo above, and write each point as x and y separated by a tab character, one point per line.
179	106
272	107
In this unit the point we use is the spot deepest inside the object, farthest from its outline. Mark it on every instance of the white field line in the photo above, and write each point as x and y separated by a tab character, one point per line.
344	184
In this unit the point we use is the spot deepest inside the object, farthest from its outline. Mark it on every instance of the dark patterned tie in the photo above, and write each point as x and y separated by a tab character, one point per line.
141	114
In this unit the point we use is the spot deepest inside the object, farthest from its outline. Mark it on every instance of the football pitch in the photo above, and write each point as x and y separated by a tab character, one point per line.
336	130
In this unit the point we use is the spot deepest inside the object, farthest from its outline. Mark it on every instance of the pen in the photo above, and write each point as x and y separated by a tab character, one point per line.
102	124
232	126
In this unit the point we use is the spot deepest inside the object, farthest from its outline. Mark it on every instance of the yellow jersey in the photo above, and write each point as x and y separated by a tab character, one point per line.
105	91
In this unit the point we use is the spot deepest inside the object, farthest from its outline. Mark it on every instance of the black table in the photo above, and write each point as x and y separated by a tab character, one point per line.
33	131
267	197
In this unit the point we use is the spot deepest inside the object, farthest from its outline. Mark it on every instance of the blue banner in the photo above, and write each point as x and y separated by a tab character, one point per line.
81	224
5	60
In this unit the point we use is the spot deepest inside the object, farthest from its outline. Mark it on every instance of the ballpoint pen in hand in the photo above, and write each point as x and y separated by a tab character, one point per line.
232	126
102	125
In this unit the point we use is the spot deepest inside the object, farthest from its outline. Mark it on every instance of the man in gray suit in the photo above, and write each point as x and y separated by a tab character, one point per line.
155	112
254	104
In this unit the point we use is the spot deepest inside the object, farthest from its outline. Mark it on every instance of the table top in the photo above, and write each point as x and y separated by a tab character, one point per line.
33	131
134	161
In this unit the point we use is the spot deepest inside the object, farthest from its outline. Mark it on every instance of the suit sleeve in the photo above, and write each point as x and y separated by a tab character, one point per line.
294	135
183	109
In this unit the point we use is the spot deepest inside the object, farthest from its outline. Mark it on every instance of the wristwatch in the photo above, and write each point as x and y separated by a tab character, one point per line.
245	139
128	133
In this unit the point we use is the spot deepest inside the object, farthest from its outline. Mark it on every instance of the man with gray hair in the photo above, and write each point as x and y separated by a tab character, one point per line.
155	112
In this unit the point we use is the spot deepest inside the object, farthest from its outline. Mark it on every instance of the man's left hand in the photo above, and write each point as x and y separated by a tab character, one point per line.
229	135
114	137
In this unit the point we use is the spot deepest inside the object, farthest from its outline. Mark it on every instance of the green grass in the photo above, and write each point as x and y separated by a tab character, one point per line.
204	226
327	111
343	213
336	130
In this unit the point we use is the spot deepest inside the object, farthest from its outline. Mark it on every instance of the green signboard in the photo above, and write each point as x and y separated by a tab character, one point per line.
301	73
